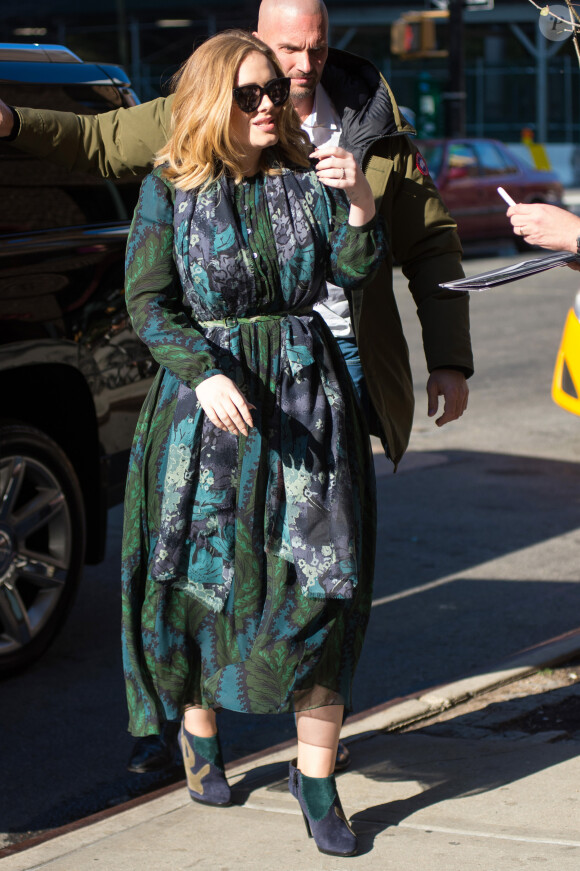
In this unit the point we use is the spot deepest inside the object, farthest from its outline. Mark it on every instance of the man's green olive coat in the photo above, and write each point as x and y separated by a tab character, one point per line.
423	236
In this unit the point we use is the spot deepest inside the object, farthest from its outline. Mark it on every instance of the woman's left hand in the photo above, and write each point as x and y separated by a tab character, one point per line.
337	168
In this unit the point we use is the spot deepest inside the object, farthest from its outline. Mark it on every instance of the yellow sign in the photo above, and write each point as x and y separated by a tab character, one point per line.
566	380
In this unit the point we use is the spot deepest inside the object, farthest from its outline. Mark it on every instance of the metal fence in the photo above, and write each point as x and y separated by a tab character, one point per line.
504	100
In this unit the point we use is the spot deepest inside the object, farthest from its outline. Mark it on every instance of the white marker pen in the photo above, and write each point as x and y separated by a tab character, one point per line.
505	196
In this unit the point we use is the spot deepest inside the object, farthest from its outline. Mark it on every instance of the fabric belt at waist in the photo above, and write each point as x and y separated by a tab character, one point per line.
273	316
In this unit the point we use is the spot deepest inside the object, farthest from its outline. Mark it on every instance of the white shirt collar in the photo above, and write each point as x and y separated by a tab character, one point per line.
323	112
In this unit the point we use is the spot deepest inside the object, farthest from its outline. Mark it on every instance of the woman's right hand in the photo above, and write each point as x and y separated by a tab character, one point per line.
337	168
224	404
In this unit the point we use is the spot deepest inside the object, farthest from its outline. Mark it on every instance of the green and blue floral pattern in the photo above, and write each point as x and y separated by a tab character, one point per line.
247	561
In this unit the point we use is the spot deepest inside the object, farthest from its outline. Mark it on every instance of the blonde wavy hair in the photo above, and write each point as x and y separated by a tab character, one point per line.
200	149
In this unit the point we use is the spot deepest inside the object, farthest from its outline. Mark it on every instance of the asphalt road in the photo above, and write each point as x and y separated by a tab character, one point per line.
478	558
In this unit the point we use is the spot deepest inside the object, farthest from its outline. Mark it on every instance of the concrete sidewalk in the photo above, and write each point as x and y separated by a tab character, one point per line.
454	797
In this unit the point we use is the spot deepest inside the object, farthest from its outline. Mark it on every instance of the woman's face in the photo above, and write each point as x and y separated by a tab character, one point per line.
256	130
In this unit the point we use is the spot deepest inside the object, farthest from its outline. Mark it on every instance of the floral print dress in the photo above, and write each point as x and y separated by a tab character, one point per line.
247	561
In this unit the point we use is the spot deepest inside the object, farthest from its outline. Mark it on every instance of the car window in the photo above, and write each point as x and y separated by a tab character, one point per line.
38	195
462	156
80	98
492	160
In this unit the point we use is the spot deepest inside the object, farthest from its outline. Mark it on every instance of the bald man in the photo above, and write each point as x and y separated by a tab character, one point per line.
297	31
341	100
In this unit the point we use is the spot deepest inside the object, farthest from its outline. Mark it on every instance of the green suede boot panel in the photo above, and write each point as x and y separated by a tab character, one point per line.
209	749
318	794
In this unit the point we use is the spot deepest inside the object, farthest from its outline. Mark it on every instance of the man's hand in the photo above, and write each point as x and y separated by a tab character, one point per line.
452	386
544	225
6	120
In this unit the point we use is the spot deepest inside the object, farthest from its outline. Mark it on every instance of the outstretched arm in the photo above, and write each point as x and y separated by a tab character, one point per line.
117	143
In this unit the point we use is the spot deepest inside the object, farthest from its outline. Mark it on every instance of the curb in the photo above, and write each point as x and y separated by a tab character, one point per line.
399	713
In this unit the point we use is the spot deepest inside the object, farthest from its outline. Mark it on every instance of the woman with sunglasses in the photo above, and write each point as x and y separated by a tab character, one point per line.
249	533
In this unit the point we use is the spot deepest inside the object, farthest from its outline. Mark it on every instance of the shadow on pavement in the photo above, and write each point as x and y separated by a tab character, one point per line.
473	564
431	765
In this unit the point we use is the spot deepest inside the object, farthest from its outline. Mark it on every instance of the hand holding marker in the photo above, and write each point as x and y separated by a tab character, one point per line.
546	227
505	196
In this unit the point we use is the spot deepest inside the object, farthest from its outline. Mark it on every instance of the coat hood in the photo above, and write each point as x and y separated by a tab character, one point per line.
363	100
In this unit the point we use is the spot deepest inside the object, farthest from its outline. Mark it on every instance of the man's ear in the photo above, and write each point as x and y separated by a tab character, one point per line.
255	33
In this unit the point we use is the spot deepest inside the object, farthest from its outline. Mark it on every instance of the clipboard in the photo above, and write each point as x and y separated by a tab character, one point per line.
507	274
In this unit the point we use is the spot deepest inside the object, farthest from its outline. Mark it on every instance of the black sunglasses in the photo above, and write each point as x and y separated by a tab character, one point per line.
249	97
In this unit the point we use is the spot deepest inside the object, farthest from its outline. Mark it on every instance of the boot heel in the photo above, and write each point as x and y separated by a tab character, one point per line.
323	814
307	824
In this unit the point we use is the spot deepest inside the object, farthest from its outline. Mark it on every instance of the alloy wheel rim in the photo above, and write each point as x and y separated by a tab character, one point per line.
35	549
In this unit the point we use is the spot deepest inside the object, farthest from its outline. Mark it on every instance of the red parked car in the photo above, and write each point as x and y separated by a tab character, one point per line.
468	172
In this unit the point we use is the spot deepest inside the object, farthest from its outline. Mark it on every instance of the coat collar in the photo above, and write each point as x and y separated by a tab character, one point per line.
363	101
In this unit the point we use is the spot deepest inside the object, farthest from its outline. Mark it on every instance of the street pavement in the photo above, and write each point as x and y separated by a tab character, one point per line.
478	557
454	796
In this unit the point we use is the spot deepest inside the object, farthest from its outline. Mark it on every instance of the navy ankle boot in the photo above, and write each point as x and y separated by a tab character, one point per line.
323	814
204	768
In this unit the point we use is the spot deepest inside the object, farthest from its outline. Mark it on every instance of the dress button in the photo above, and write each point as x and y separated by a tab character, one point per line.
255	254
249	230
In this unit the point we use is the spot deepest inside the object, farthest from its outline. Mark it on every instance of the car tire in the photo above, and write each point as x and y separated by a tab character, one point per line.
42	543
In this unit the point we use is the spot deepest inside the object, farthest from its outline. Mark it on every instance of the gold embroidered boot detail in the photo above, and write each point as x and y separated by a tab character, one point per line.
204	769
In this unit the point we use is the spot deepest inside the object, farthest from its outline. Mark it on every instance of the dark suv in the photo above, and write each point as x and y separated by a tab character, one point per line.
73	374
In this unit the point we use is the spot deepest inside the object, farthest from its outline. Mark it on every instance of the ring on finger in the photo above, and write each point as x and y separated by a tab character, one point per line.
343	173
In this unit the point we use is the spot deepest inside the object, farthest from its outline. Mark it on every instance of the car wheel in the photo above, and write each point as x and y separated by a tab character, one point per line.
42	543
